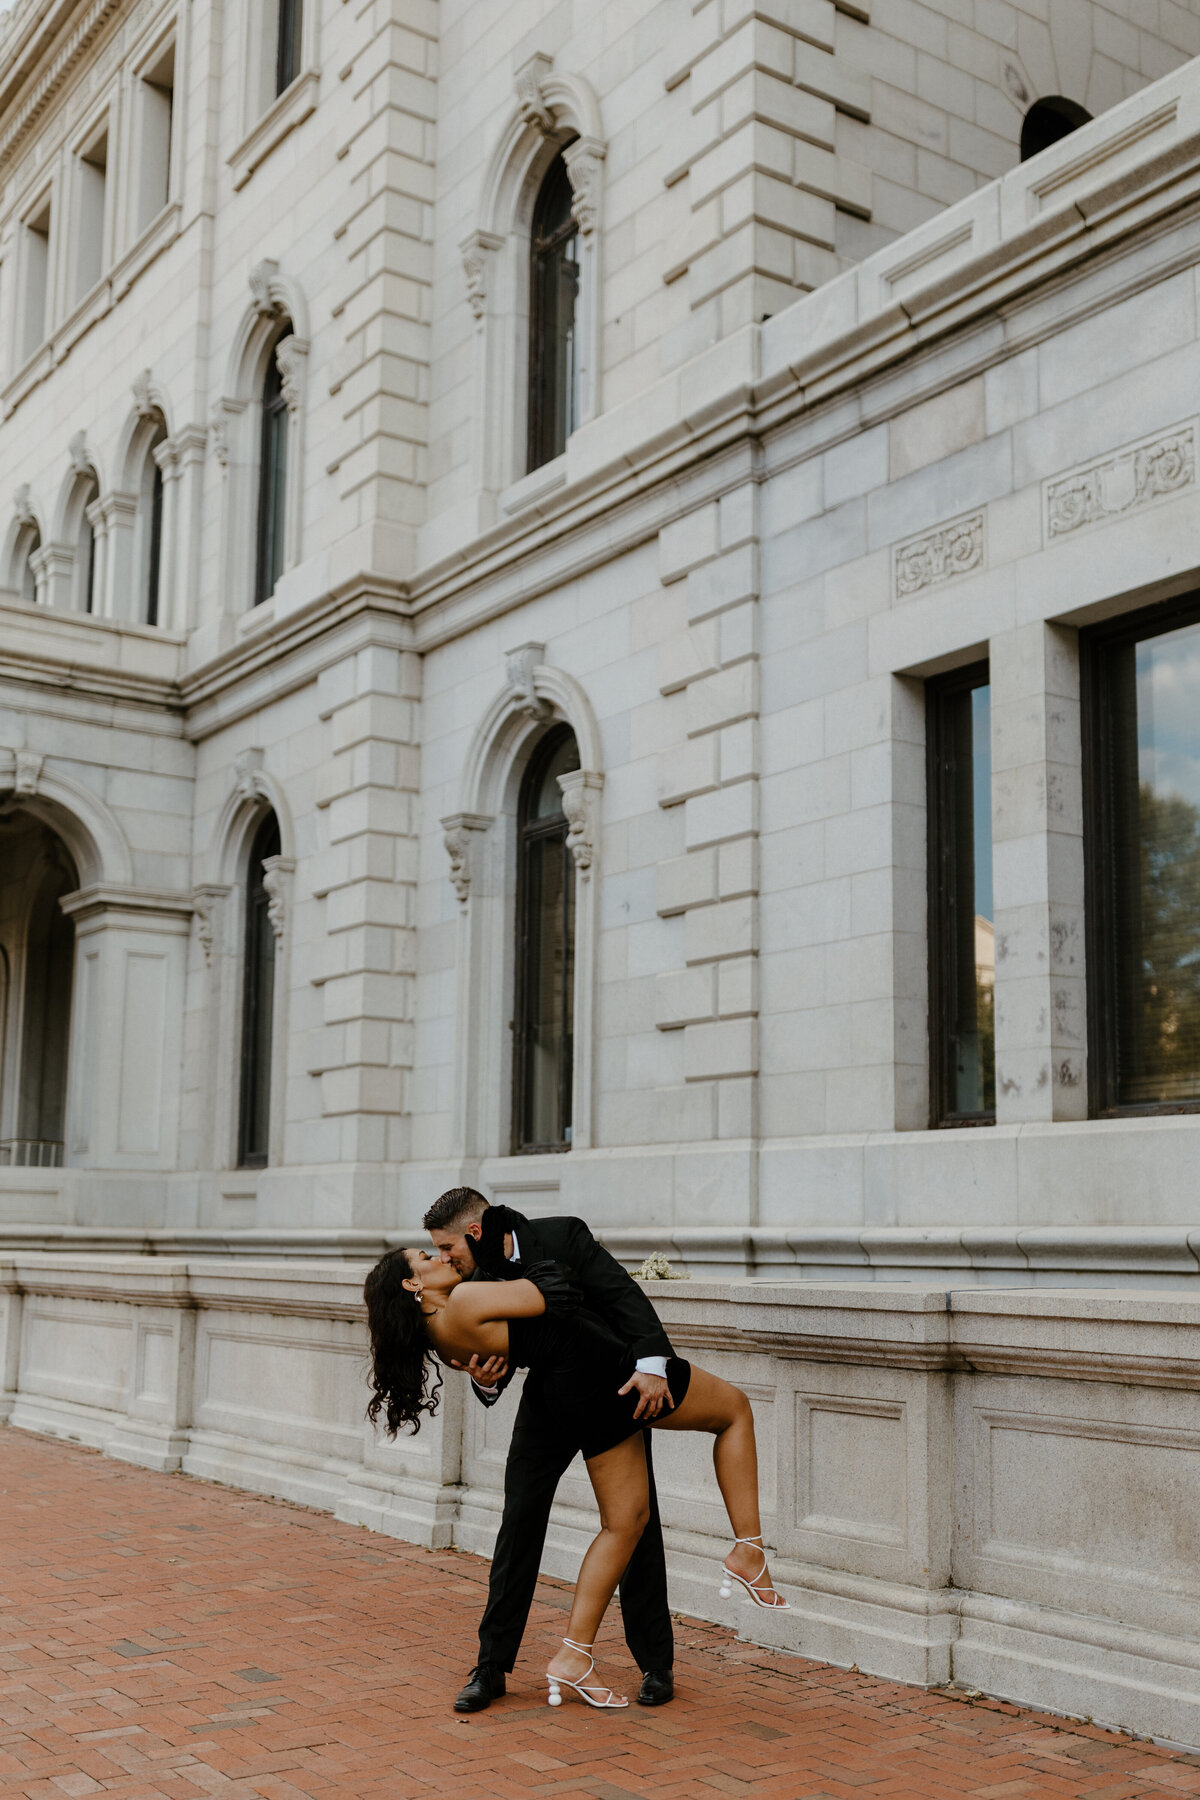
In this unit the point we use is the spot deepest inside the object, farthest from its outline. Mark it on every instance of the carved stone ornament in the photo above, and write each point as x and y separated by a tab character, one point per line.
939	555
1119	484
142	399
530	98
579	792
28	772
262	276
203	908
248	774
23	506
78	451
218	431
276	870
291	359
584	160
458	828
477	251
520	664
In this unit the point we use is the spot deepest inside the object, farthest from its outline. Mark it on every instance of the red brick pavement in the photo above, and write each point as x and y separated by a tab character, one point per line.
162	1639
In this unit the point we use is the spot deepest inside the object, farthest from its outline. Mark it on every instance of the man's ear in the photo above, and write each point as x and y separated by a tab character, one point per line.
473	1230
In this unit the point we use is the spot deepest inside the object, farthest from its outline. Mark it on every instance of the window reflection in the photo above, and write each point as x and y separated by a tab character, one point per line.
962	949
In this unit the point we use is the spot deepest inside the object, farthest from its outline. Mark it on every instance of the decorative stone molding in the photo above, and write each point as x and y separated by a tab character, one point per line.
531	98
1121	483
277	872
23	507
248	776
519	666
206	906
938	556
39	96
28	773
478	250
143	399
218	431
261	277
584	160
291	358
580	792
458	828
77	450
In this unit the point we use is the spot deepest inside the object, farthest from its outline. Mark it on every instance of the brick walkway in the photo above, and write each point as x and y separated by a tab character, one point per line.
160	1637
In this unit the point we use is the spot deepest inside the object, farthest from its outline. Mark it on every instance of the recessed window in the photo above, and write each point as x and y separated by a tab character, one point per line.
272	479
156	102
962	956
91	187
258	1002
1142	819
1049	120
553	297
287	43
35	288
545	969
84	595
28	544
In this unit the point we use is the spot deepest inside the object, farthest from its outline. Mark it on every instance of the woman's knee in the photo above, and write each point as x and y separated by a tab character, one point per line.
628	1521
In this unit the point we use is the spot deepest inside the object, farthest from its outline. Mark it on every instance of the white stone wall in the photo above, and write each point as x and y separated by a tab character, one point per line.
996	1489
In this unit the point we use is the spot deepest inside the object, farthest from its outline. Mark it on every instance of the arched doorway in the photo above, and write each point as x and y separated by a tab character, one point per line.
37	940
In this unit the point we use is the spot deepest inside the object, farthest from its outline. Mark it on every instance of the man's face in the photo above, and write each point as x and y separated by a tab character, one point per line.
451	1245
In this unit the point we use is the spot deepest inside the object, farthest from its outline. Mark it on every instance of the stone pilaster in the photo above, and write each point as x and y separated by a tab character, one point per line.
1037	826
713	772
366	878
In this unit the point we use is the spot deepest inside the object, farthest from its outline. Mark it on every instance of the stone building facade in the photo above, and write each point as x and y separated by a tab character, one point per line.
512	510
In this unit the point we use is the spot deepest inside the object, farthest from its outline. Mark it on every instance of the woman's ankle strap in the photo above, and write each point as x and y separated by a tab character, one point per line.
583	1649
756	1539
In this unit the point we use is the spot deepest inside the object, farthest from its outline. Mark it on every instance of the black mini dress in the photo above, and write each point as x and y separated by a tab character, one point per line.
577	1364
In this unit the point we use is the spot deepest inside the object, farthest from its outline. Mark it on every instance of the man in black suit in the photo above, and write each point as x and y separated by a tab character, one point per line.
537	1460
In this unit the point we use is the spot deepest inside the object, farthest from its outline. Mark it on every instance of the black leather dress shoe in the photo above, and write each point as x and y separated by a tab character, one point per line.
484	1684
658	1686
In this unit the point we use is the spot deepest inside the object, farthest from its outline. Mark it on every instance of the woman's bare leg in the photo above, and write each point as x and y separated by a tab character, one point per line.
717	1406
622	1490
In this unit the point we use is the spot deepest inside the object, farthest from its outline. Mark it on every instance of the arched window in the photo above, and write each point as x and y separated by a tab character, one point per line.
84	586
553	293
46	1021
1047	121
258	1002
272	479
149	531
28	543
545	971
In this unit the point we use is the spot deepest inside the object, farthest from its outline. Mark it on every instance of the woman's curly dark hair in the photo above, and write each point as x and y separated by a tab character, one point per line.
401	1354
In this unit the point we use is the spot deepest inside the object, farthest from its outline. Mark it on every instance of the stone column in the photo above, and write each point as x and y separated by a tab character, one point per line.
125	1078
191	450
101	598
1037	829
119	598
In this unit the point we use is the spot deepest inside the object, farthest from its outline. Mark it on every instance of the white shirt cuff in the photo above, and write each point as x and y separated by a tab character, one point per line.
652	1365
494	1389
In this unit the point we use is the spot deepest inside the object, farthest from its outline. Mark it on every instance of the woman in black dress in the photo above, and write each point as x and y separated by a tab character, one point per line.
420	1311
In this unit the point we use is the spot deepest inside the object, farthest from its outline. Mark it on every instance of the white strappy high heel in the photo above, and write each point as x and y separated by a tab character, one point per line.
773	1601
558	1682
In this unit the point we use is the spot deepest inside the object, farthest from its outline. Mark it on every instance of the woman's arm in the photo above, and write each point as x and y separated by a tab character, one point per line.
483	1302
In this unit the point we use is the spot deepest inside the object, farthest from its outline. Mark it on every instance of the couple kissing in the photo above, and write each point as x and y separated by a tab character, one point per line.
500	1292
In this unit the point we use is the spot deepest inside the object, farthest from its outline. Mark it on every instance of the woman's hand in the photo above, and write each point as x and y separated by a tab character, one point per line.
485	1374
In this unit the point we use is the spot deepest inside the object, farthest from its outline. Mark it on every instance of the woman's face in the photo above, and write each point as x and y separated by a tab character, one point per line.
431	1273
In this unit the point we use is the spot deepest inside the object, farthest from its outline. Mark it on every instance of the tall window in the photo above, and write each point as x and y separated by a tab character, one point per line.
35	309
156	101
91	183
46	1025
258	1003
272	480
553	291
962	957
1142	821
84	582
287	44
545	953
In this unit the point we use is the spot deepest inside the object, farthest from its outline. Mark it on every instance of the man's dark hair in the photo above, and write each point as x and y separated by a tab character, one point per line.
457	1206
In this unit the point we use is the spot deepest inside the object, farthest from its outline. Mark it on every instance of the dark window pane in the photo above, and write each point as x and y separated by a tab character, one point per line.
153	574
1152	797
49	976
962	936
272	483
258	1003
545	954
287	54
554	288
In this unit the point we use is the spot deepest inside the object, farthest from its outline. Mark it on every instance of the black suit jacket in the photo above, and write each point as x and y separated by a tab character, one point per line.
608	1290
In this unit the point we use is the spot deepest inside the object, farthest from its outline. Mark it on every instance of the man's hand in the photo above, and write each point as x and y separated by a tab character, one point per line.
653	1395
487	1373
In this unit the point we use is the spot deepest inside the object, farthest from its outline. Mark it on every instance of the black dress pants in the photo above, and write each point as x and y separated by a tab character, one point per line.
538	1457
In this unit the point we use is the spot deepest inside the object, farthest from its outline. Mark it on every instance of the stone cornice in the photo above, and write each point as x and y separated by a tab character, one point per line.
37	36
